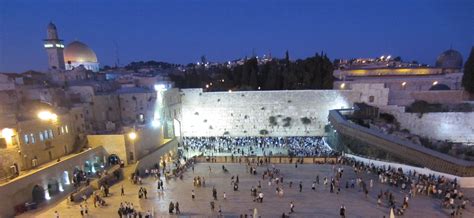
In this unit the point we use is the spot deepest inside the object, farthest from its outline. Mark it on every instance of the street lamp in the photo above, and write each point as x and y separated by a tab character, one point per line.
132	135
47	115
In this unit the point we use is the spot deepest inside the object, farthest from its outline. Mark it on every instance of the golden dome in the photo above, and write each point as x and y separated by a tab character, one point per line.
79	52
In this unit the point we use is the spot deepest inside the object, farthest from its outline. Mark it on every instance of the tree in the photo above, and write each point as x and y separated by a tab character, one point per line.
468	76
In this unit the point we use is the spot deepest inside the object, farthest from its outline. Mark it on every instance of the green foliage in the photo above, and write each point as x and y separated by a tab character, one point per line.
263	132
425	107
311	73
305	120
387	117
273	121
468	76
286	121
149	64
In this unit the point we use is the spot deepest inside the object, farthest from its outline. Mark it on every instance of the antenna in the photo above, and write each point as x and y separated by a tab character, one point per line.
117	61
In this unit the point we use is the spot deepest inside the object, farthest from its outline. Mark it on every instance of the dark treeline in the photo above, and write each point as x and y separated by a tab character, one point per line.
278	74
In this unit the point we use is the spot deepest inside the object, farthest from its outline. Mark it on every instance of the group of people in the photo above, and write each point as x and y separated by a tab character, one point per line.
298	146
413	183
127	210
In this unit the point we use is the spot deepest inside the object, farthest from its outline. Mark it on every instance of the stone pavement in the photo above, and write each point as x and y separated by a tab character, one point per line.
319	203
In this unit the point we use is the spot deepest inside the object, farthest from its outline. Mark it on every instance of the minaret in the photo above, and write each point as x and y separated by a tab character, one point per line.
54	47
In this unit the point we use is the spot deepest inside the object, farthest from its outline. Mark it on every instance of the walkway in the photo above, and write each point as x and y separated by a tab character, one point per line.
308	203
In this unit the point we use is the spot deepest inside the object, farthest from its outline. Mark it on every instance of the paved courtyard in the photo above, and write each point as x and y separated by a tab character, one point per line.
308	203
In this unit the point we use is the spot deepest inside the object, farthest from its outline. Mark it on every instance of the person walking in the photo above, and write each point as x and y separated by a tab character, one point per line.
86	210
225	196
301	186
292	207
82	210
214	193
176	206
122	191
171	207
342	211
145	192
56	214
192	194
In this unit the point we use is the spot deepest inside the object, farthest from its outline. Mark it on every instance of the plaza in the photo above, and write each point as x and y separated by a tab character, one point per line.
308	203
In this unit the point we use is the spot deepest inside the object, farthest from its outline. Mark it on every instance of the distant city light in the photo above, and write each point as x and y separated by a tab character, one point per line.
388	57
207	86
342	85
435	82
382	57
404	83
259	88
230	90
48	45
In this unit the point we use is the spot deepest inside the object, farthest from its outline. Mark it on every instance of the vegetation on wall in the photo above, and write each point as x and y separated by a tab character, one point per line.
273	121
286	121
425	107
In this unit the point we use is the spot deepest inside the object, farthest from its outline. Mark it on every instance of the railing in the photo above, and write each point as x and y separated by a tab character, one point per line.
403	148
267	159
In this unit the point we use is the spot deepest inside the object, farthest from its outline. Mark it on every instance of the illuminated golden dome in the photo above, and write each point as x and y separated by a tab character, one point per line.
78	52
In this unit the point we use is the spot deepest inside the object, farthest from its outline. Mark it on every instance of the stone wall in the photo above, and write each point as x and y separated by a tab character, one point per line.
147	140
451	126
247	113
156	157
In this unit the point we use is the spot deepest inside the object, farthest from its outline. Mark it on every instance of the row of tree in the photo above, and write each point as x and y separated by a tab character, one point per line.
278	74
468	76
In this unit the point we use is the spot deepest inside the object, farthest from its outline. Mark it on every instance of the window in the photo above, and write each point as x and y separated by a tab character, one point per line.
371	98
67	130
50	133
32	136
46	136
62	129
26	139
41	136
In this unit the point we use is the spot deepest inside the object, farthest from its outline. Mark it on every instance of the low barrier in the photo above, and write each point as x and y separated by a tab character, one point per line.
272	159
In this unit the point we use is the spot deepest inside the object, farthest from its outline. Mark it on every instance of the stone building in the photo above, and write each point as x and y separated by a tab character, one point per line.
405	81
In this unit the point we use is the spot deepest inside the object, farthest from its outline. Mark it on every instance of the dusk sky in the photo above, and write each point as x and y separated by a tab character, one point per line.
182	31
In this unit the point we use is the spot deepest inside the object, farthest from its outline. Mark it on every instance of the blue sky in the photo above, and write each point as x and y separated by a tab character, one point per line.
182	31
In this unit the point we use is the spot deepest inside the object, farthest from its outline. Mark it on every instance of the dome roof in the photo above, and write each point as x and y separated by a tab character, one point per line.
440	87
449	59
79	52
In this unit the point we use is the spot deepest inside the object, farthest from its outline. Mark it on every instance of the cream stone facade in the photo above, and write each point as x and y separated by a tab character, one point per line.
249	113
129	149
450	126
136	104
43	141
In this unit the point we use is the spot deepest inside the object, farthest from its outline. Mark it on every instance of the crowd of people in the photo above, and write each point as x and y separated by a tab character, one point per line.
409	183
298	146
412	184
